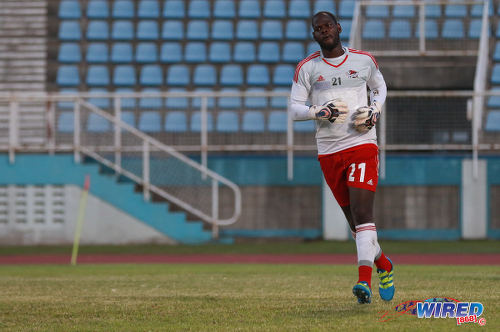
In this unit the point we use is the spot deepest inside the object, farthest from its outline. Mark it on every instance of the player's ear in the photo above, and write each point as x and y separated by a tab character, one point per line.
339	27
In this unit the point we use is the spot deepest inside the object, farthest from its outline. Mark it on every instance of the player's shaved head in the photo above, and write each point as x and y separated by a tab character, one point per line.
334	19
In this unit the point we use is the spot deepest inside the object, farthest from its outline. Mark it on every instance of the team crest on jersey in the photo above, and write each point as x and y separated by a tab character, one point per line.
352	74
320	78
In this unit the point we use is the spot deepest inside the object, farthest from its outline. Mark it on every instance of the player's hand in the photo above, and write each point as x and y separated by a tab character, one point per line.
366	117
333	110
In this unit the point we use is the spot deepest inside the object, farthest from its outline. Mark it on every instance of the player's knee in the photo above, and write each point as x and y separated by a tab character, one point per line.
361	214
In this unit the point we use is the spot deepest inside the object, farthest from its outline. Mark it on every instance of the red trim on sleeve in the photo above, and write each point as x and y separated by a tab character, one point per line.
352	50
301	63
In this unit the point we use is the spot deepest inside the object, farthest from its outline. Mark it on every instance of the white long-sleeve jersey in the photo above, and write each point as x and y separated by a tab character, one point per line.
318	80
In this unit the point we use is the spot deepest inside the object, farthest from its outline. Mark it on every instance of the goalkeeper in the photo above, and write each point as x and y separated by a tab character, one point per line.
334	82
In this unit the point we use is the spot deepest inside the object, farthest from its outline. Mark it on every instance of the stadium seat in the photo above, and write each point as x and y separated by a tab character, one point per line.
249	9
377	11
492	121
177	102
97	9
148	9
495	74
475	29
400	29
122	30
151	75
244	52
151	102
97	30
455	11
150	121
124	75
431	30
103	103
274	9
195	52
147	30
269	52
67	75
283	75
69	53
97	53
197	30
303	126
277	122
231	75
69	9
271	30
196	102
97	75
324	5
220	52
66	122
199	9
498	30
403	11
97	124
312	47
204	75
346	9
299	9
222	30
374	29
296	29
69	30
246	30
127	103
174	9
224	9
229	102
176	122
346	29
146	53
253	122
171	53
255	102
496	55
453	29
293	52
121	53
433	11
128	117
178	75
66	104
257	75
227	122
123	9
172	30
196	122
477	10
280	102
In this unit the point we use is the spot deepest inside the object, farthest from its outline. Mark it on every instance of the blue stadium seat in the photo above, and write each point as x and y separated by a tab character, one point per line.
123	9
151	102
296	29
229	102
293	52
97	9
67	104
312	47
122	30
128	117
253	122
127	103
498	29
195	52
303	126
171	52
66	122
199	9
150	121
496	55
197	101
246	30
103	103
493	121
432	11
151	75
400	29
97	30
283	75
97	124
244	52
346	29
231	75
204	75
224	9
475	28
124	75
69	9
197	30
178	75
269	52
401	11
346	9
97	75
477	10
274	9
172	30
374	11
222	30
453	29
271	30
255	102
196	122
147	30
431	30
177	102
279	102
374	29
277	122
455	11
257	75
299	9
67	75
174	9
324	5
146	53
69	53
121	53
227	122
495	75
249	9
220	52
148	9
176	122
69	30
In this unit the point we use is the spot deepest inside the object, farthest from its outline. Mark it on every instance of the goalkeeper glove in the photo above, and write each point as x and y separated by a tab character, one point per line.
366	117
333	110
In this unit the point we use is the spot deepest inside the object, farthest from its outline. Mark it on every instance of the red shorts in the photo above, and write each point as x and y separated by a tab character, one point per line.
354	167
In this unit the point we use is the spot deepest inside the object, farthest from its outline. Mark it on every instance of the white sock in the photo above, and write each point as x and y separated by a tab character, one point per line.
366	243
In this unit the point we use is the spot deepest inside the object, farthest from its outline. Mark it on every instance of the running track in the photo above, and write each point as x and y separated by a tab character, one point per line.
428	259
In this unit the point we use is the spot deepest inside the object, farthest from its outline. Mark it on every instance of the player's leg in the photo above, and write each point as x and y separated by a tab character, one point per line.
350	221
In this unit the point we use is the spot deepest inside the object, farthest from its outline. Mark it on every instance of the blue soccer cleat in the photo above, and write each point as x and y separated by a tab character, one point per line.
363	292
386	285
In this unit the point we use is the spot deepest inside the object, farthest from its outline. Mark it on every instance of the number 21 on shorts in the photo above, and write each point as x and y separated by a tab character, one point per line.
353	174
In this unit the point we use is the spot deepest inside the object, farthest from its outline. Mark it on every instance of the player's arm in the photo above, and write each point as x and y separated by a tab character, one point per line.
366	117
